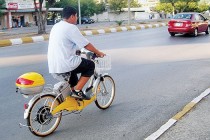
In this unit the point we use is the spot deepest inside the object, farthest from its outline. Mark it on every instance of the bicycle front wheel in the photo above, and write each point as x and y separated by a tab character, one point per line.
105	92
40	121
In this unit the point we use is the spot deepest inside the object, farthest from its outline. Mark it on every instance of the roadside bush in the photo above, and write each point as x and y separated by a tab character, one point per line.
120	22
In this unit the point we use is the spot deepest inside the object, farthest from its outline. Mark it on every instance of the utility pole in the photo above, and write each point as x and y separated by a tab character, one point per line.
79	12
129	12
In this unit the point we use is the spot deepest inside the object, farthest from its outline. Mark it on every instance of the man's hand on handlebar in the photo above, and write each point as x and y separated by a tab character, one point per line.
101	54
91	48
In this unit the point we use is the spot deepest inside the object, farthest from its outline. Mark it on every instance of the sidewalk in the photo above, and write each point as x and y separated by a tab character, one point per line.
192	123
16	36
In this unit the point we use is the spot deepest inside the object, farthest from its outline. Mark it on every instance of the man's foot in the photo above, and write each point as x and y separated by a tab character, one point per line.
79	95
89	92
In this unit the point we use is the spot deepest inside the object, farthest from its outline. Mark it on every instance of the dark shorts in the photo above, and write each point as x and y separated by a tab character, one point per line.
86	68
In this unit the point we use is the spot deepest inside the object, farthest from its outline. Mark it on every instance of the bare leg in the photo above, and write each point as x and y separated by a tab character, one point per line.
81	83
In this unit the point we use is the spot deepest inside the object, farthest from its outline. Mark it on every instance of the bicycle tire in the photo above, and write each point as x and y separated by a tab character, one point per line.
101	93
38	114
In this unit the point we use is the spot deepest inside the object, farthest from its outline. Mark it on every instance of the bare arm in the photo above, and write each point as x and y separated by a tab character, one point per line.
91	48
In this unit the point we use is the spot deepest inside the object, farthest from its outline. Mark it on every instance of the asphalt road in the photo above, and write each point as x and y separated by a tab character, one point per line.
155	75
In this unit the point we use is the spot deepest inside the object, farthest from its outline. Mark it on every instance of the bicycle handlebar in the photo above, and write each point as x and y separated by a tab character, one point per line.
90	55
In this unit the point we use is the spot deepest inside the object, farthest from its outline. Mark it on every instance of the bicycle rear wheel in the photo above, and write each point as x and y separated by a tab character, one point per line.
105	92
40	121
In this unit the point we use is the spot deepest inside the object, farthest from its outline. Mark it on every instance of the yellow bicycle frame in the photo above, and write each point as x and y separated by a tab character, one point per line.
72	104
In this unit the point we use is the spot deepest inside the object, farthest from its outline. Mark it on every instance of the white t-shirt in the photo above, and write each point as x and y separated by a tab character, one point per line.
64	40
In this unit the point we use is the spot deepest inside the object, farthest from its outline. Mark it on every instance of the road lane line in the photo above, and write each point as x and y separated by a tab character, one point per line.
88	32
17	41
38	38
161	130
101	31
5	43
184	111
178	116
157	25
133	27
149	25
142	26
124	28
113	30
200	97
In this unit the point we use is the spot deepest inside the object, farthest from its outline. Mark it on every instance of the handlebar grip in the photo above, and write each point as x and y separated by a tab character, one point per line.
78	52
94	56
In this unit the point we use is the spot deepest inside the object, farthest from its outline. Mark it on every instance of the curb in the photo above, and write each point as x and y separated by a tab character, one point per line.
178	116
18	41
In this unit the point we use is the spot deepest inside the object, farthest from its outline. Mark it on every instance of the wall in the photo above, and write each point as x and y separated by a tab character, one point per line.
107	16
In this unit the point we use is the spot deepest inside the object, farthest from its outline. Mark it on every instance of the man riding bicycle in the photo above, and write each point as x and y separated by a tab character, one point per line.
64	41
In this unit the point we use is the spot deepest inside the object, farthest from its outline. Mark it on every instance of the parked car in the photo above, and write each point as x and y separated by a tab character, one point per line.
87	20
58	20
188	23
50	22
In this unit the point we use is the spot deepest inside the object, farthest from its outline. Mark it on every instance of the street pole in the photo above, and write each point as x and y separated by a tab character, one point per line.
129	13
79	12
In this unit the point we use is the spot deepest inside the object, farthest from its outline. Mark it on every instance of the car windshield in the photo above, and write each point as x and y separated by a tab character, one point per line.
183	16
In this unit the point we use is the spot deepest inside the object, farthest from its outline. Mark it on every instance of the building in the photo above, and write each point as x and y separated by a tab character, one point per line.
148	4
19	13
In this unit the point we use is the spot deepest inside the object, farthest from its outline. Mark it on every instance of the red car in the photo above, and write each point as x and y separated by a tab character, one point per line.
188	23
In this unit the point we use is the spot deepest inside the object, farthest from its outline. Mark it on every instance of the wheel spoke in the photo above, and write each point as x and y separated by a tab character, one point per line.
39	128
46	101
35	119
105	101
104	86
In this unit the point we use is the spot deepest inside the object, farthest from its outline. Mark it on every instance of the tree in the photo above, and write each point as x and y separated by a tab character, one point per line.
165	7
100	7
117	5
88	7
134	3
192	6
203	7
63	3
175	1
183	3
182	6
188	2
2	5
179	6
172	3
41	19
